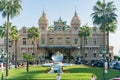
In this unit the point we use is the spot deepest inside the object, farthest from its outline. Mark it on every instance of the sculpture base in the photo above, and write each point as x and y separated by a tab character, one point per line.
56	69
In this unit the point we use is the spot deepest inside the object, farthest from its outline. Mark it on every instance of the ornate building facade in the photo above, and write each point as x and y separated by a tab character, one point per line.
60	37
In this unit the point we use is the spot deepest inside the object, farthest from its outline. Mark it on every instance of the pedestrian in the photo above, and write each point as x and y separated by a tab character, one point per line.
58	77
92	78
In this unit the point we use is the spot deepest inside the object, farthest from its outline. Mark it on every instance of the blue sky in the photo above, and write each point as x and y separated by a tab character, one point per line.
32	10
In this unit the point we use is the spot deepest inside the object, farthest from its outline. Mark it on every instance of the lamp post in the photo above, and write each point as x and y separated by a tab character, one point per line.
2	56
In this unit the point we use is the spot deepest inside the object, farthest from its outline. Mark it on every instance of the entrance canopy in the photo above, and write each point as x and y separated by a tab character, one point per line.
59	47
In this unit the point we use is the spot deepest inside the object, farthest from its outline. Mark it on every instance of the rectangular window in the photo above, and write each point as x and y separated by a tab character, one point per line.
85	54
75	41
67	40
94	41
24	41
94	55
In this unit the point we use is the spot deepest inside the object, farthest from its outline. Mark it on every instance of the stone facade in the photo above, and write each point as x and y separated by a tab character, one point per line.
60	37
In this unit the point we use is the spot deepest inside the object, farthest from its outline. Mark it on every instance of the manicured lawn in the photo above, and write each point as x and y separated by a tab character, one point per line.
75	72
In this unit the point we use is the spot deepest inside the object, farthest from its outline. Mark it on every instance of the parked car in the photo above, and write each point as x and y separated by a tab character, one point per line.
84	62
93	62
117	66
98	63
113	63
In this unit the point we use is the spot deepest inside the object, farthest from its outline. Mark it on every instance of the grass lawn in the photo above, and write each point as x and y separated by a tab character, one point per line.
75	72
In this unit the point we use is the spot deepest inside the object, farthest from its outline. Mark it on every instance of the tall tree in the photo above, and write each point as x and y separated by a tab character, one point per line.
81	35
104	16
9	9
14	36
84	32
111	27
34	35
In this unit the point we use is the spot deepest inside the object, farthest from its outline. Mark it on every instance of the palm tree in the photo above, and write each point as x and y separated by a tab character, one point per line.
3	29
34	35
14	36
110	28
103	16
84	32
28	58
80	34
9	9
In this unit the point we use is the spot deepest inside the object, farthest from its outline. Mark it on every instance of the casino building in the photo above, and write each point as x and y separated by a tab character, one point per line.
60	37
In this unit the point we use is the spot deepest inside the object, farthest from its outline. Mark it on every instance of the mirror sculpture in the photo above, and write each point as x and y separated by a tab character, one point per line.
57	65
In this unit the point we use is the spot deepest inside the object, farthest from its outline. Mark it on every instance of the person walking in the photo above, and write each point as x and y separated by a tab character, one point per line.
92	78
58	77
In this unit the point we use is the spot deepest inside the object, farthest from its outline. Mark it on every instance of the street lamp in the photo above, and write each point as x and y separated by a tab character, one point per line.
2	56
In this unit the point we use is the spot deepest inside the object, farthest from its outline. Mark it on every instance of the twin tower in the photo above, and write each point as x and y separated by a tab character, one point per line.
43	22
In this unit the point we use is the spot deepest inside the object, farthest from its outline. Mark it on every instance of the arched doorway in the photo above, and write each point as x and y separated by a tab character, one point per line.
50	53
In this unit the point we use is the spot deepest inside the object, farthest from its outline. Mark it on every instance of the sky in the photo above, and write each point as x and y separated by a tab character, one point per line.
32	10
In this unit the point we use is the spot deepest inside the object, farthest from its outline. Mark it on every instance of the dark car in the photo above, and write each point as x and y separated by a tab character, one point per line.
117	66
93	62
97	63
